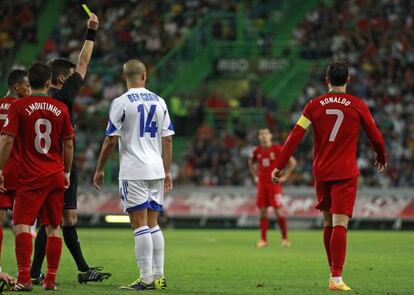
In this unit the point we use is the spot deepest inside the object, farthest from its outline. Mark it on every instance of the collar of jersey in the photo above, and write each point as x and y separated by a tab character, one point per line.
337	92
38	94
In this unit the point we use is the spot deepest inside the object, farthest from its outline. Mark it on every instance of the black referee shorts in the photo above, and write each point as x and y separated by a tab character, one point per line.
70	200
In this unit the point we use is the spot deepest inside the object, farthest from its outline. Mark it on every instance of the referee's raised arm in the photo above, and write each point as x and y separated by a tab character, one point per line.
86	52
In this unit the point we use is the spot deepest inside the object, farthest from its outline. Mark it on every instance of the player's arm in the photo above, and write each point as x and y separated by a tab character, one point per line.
108	147
375	136
115	122
86	52
67	139
6	146
67	159
291	166
291	143
167	131
167	152
253	168
8	133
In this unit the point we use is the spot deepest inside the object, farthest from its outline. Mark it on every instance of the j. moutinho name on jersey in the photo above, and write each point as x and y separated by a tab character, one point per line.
335	99
43	106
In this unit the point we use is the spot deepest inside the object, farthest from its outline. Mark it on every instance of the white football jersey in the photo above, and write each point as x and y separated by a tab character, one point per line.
140	118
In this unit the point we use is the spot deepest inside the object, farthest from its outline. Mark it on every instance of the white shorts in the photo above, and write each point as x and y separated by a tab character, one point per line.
141	194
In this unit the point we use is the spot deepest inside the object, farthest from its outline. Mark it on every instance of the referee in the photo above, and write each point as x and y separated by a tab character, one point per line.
67	79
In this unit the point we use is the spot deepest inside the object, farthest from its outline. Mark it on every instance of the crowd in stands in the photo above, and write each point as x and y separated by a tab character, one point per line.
17	25
376	38
141	29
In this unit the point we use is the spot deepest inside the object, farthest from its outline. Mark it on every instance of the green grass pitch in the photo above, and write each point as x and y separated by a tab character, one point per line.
226	262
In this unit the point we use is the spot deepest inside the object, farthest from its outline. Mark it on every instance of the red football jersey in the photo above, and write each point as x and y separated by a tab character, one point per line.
10	171
39	124
266	161
337	119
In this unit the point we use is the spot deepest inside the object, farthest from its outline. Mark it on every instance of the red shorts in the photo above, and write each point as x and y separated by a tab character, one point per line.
7	200
45	201
338	196
269	195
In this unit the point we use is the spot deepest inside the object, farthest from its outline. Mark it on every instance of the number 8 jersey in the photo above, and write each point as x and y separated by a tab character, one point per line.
39	125
140	118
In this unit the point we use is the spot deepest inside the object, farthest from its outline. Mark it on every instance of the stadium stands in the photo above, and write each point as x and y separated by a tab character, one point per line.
154	29
381	55
17	25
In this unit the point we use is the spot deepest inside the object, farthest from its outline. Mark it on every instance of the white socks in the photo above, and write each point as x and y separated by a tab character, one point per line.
143	253
337	280
158	252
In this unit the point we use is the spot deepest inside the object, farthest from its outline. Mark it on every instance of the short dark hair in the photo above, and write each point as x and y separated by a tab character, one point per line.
16	76
39	74
337	73
59	67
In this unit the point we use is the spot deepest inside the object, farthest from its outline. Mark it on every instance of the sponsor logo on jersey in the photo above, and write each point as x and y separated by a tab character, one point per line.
4	106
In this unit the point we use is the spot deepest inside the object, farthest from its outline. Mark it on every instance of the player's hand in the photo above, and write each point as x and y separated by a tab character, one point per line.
282	179
8	279
256	180
98	179
168	184
2	188
380	167
67	182
276	175
93	22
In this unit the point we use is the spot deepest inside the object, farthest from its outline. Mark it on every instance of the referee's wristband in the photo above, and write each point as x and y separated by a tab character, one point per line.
67	174
90	35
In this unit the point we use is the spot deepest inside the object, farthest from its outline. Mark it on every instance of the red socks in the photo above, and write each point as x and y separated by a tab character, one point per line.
53	253
338	250
264	224
282	221
24	249
327	234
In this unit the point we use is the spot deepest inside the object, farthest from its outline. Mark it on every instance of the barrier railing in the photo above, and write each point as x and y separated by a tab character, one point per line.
223	207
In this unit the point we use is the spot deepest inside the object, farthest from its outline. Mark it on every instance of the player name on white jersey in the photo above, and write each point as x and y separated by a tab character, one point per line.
43	106
335	99
142	96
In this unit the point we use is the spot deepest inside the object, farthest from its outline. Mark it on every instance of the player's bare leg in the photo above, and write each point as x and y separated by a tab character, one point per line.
3	218
338	251
158	250
24	249
281	218
53	253
143	251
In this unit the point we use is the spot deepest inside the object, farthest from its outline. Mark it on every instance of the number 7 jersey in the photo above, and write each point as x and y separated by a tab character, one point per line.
337	119
140	118
39	125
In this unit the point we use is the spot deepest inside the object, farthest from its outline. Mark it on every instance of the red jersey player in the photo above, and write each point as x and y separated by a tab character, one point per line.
42	128
337	118
18	85
269	194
